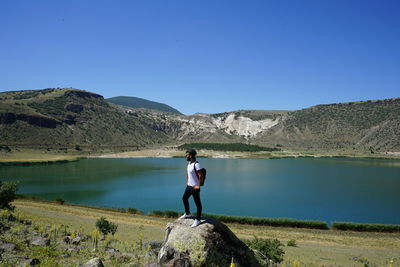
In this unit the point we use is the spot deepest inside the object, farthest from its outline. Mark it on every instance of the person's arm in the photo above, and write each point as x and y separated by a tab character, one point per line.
201	177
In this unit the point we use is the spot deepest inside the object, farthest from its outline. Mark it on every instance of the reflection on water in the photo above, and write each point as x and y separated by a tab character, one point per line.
328	189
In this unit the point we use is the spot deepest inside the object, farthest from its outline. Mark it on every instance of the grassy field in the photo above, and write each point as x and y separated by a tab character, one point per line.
36	156
314	247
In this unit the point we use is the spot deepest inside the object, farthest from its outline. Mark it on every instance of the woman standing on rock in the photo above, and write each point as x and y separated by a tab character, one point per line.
193	178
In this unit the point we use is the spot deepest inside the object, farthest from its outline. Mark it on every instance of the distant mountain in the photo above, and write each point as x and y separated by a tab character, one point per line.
369	126
59	118
63	117
136	102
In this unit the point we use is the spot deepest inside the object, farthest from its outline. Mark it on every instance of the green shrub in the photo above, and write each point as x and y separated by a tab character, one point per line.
5	148
279	222
268	249
292	243
365	227
60	201
8	192
106	227
133	211
165	214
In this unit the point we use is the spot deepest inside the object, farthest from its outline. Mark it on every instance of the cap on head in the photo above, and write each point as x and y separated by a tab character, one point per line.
191	152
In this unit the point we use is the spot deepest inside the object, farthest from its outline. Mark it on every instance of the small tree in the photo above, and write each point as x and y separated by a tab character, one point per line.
106	227
8	192
269	249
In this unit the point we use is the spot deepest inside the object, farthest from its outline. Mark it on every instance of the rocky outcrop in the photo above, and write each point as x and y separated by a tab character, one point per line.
76	108
210	244
70	120
228	126
8	118
244	126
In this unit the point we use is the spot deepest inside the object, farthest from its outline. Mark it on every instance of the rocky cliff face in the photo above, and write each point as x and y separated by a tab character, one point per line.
230	126
41	121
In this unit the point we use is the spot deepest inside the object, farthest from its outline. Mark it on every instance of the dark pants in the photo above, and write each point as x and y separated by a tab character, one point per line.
196	196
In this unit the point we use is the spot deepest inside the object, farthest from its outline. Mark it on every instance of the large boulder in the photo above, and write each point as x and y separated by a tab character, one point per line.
211	243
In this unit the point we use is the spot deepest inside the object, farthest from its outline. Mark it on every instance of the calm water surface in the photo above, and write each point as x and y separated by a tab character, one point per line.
324	189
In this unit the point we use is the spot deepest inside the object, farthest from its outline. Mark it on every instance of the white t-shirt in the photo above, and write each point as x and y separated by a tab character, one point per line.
193	180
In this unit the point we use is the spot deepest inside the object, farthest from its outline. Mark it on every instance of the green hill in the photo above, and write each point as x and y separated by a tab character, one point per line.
366	126
69	119
72	119
136	102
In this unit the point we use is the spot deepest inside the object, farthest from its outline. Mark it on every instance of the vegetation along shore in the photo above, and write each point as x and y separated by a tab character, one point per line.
29	156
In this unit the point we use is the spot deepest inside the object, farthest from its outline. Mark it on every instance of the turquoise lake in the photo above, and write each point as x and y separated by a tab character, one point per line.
326	189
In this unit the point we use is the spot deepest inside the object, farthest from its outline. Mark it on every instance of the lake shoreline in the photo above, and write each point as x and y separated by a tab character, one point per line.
41	157
173	153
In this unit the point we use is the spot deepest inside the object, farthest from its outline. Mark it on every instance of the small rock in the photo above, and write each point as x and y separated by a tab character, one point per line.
76	241
111	250
28	222
67	239
83	237
73	250
32	262
96	262
25	231
8	247
40	241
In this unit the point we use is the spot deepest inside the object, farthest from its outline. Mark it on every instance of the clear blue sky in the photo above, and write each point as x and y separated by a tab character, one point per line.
205	56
